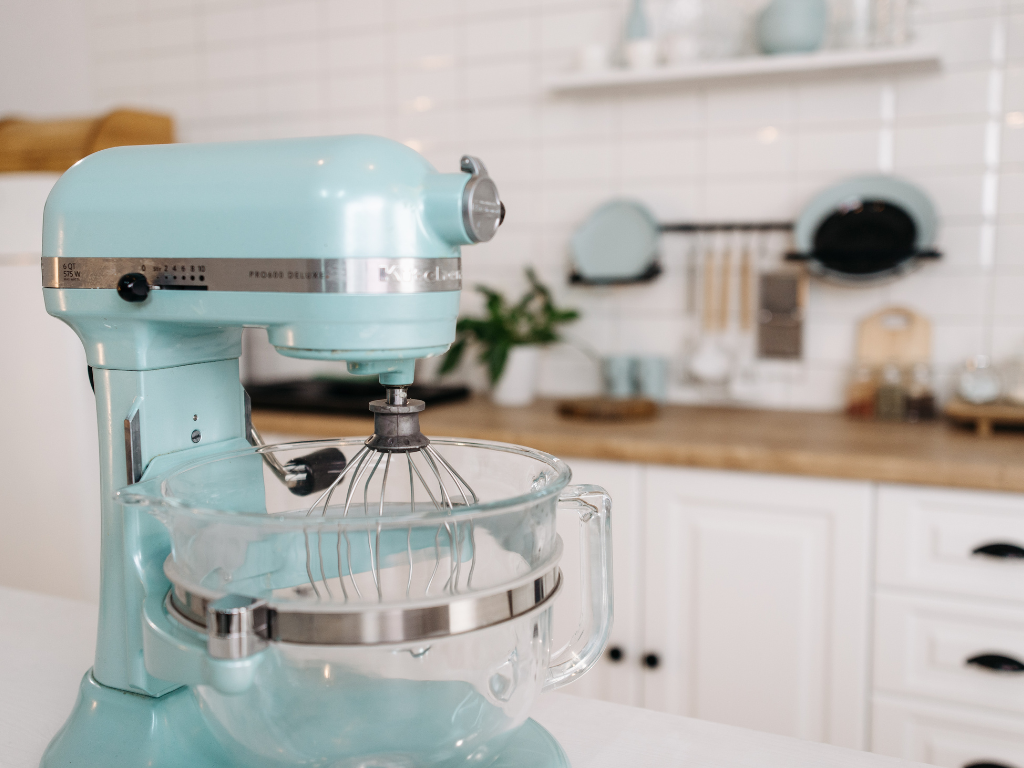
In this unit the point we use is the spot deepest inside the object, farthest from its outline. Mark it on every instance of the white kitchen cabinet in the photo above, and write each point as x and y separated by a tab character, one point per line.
935	538
945	735
925	647
757	601
950	589
612	679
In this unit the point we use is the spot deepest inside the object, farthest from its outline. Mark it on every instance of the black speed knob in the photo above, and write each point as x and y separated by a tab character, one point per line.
133	287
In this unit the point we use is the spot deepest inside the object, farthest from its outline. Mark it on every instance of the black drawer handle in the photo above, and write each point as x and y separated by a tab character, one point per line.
616	654
987	764
652	661
1002	550
996	662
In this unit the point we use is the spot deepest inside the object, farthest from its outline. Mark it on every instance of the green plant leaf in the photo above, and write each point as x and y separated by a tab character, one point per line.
495	359
454	356
533	319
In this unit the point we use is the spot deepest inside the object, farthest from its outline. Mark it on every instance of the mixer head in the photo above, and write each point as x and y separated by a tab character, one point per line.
343	248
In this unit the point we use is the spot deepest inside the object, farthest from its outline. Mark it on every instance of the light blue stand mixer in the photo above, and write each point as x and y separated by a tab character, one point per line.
235	628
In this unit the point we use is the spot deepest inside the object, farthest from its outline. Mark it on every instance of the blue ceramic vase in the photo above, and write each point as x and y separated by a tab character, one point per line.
792	26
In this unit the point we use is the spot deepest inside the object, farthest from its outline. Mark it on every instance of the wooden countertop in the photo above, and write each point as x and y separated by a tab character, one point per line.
784	442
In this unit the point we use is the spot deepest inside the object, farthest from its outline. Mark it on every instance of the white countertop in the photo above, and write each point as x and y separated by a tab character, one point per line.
47	645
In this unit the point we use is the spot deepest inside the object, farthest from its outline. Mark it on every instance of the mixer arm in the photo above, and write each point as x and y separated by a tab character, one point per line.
304	475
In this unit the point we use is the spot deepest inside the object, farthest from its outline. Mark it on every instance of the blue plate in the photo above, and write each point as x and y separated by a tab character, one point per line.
617	243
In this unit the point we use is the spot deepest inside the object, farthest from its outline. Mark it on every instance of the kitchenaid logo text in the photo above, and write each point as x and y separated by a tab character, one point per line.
399	274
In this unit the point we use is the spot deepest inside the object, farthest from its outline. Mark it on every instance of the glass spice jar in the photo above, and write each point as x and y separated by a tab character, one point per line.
891	397
1013	380
860	394
920	404
979	382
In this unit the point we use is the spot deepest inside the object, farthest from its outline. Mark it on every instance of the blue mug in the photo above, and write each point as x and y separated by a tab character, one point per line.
619	378
652	378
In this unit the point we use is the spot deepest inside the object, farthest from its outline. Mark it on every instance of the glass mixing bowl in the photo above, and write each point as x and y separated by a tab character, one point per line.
404	619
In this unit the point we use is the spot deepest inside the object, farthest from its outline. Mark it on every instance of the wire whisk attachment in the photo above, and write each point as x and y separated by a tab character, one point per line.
397	472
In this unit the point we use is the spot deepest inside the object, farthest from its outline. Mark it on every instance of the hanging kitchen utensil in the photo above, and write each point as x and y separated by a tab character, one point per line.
724	288
618	243
746	285
782	298
692	260
707	307
710	363
865	229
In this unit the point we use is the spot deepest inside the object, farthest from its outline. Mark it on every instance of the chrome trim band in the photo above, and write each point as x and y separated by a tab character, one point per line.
381	626
362	276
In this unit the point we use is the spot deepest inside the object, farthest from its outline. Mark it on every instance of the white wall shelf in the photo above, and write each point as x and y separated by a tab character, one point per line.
885	60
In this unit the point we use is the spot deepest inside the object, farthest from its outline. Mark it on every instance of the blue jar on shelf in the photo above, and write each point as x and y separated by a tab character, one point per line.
792	26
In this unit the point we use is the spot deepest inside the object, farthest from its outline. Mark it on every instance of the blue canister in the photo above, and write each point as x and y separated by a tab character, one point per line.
792	26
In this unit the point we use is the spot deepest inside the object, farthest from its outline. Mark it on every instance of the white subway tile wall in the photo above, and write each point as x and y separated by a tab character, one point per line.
450	77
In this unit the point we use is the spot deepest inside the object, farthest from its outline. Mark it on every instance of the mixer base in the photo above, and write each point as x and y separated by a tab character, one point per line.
110	728
532	745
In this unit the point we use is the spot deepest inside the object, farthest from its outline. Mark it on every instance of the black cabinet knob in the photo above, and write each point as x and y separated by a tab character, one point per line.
652	661
133	287
1002	550
616	654
987	764
997	662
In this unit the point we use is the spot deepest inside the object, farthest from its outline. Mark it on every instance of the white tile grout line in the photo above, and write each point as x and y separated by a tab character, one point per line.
990	183
993	138
886	132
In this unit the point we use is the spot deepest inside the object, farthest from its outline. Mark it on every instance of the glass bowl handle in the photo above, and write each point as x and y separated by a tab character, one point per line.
593	505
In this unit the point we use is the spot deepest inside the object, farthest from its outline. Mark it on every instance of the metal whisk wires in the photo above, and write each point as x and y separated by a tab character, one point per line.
396	440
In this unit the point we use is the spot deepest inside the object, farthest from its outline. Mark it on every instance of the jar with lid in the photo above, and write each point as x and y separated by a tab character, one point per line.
978	382
920	395
891	397
1013	381
860	394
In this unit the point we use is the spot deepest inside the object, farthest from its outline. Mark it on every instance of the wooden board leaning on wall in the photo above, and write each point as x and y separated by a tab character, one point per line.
56	145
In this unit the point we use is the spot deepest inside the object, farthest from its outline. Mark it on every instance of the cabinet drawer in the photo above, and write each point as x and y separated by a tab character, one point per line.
952	737
931	538
924	646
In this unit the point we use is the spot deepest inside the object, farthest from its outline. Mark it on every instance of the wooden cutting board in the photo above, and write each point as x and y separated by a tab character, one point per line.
56	145
894	335
608	409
